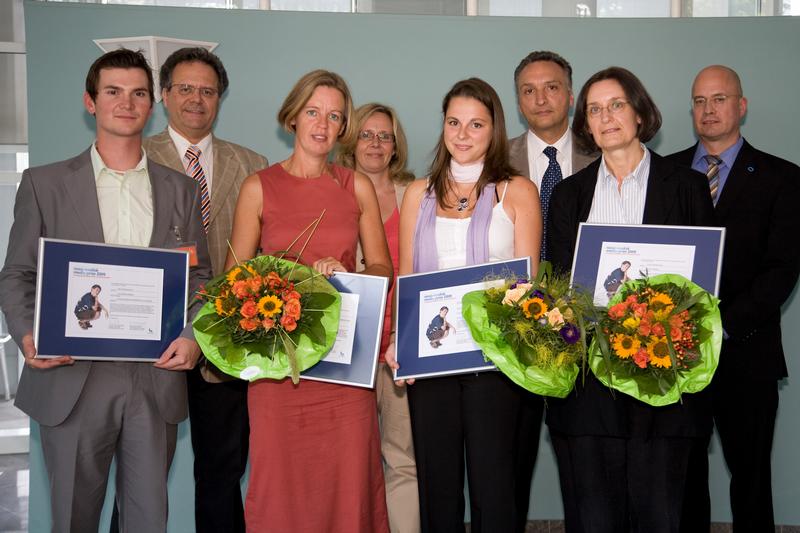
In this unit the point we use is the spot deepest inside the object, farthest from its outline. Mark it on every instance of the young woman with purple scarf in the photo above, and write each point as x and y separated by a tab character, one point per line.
472	209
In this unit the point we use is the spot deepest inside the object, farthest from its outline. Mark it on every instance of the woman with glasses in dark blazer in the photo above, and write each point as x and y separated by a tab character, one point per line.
622	464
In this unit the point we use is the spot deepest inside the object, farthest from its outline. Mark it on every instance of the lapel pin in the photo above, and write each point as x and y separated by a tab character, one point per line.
751	169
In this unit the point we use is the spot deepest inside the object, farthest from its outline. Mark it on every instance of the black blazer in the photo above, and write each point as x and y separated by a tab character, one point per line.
675	196
760	209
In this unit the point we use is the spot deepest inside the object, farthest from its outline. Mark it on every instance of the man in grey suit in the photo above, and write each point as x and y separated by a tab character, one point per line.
91	412
546	153
193	81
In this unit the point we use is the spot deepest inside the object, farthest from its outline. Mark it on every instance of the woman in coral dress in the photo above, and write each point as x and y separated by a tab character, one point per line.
315	463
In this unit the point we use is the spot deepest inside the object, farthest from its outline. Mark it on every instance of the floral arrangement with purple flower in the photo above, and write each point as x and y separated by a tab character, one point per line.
533	330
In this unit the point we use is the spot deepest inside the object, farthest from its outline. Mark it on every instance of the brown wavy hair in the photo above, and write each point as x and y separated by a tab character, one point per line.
637	97
496	167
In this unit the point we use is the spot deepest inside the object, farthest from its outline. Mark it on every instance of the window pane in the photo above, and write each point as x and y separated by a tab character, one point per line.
633	8
13	100
412	7
339	6
721	8
511	8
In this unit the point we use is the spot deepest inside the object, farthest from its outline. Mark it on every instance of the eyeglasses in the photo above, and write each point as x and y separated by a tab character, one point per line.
715	100
383	136
184	89
613	108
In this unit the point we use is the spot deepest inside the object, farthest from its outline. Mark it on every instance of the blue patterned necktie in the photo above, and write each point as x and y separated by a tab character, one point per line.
551	177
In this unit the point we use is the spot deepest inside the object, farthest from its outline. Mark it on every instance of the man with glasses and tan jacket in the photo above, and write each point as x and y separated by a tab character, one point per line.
193	81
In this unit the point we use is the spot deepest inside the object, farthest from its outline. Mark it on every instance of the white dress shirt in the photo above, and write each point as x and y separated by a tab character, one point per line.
206	154
615	204
538	162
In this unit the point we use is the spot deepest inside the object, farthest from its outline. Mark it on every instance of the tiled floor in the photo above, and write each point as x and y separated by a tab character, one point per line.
14	493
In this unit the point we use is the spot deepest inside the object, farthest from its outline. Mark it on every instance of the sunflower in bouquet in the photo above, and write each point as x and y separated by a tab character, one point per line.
534	331
268	317
658	338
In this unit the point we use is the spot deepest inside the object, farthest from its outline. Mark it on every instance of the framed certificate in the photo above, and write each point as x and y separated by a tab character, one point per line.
108	302
354	356
606	256
432	337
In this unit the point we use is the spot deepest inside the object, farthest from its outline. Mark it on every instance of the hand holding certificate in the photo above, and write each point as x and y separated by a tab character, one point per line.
107	302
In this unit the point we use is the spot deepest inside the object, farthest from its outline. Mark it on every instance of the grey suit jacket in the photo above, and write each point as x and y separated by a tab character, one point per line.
518	155
60	201
232	164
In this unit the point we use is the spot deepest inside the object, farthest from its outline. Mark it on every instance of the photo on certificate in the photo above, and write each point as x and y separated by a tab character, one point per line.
606	256
113	302
624	261
441	322
432	337
108	302
353	359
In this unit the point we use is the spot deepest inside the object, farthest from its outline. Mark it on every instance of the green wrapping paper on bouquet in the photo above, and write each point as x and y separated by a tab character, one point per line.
267	318
659	338
534	332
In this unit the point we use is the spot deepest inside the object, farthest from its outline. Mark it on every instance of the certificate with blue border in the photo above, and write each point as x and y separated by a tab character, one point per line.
357	367
607	255
108	302
432	337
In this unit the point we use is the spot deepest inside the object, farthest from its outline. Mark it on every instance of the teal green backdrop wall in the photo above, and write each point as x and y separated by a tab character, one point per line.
410	62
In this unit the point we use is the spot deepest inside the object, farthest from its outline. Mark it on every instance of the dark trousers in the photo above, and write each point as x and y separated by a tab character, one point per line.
745	419
620	485
528	430
220	433
474	414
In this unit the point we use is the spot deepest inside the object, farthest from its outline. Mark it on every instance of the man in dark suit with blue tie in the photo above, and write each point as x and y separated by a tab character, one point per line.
756	197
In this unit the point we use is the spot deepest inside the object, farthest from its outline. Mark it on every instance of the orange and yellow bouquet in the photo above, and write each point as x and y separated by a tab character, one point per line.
659	337
267	318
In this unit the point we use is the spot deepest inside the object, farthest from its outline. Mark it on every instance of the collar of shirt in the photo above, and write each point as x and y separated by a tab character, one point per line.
728	156
538	162
98	165
614	204
125	200
638	176
206	152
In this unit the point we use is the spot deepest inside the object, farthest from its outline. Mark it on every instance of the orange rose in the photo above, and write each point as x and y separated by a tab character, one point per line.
618	310
268	323
240	289
676	334
290	295
639	310
254	284
249	309
273	280
658	330
288	323
292	308
641	358
248	324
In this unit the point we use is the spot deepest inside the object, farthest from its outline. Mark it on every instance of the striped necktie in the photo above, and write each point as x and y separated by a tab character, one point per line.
552	175
712	173
195	171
